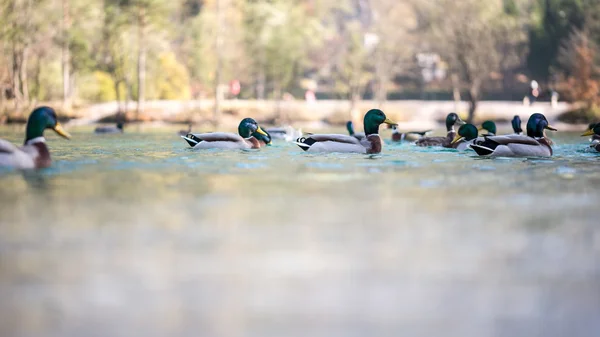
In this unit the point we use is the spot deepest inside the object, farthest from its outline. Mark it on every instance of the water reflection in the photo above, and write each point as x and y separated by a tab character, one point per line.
159	240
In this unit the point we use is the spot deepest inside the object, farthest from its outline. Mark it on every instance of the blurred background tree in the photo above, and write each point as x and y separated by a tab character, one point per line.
100	50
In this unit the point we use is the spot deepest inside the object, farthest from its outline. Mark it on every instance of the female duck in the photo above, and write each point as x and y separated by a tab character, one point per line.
451	120
371	144
466	136
535	144
594	131
223	140
34	154
110	129
410	136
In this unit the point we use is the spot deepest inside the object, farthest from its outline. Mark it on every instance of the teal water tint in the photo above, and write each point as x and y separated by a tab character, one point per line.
160	240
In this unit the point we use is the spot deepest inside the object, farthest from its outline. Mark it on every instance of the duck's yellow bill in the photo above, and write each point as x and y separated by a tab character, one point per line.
259	130
589	132
390	122
59	129
456	139
550	127
480	129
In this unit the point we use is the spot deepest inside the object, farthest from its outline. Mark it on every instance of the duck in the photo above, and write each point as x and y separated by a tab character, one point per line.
451	120
34	154
264	140
110	129
465	137
224	140
594	131
516	125
350	127
595	137
410	136
371	144
534	144
488	126
286	133
185	132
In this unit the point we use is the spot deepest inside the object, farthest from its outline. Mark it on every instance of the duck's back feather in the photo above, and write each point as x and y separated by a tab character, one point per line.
19	158
513	146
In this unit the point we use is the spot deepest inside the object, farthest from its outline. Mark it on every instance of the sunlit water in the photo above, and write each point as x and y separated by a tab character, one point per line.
137	235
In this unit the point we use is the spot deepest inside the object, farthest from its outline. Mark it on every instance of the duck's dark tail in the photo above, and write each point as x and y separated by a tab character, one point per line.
482	150
191	139
304	143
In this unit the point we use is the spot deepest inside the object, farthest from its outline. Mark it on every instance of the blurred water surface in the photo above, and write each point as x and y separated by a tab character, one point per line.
137	235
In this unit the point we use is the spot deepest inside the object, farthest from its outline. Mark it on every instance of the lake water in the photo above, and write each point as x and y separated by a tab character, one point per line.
137	235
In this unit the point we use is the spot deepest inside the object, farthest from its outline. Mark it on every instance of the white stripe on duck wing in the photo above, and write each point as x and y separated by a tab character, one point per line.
513	146
224	140
342	143
218	140
333	143
535	144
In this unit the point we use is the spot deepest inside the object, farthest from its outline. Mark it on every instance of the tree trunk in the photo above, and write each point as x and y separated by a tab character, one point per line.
66	55
456	92
23	74
16	86
118	96
141	61
473	99
219	53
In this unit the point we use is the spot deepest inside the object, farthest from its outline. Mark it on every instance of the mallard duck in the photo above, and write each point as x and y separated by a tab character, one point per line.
410	136
451	120
372	143
595	137
286	133
488	126
185	132
224	140
110	129
34	154
350	128
594	131
263	139
516	125
535	144
465	137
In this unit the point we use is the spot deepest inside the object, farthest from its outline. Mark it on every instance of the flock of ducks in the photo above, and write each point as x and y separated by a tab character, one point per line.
35	154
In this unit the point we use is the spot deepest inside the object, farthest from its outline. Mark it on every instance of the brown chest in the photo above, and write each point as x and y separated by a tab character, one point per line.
42	160
253	142
376	144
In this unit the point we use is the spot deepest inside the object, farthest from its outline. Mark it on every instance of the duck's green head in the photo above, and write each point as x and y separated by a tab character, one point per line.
248	126
266	138
373	119
467	132
594	129
452	119
43	118
489	126
516	124
537	124
350	127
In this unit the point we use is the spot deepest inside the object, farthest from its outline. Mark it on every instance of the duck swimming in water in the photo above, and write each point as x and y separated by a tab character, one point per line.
110	129
451	120
466	136
372	143
535	144
34	154
410	136
594	131
225	140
